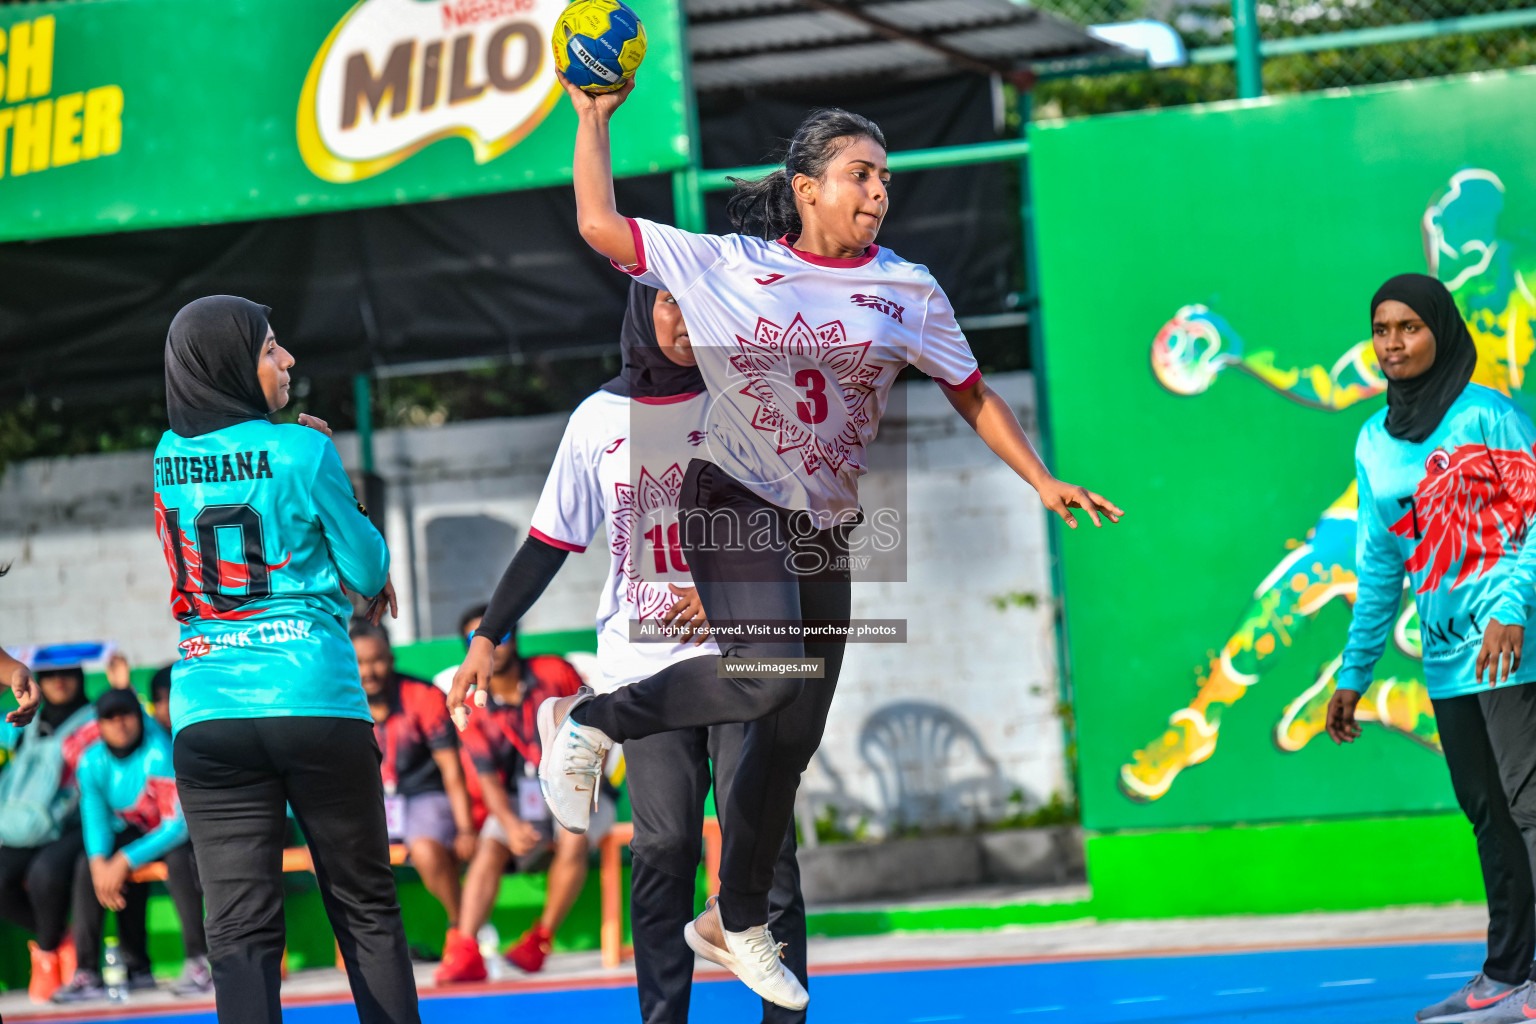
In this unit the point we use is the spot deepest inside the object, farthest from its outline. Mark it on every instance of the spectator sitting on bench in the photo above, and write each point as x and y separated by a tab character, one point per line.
426	804
38	850
501	746
132	817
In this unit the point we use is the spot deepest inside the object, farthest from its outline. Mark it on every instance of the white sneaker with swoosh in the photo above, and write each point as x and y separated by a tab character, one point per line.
753	957
571	762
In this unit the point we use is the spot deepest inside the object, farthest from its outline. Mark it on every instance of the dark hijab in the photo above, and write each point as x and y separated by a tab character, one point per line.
1416	406
55	715
210	365
648	373
113	703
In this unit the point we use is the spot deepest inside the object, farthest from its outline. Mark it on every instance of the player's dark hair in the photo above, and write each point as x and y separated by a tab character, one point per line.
766	207
474	612
361	628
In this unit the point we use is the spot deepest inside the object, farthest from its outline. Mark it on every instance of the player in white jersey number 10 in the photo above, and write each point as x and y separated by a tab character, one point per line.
799	324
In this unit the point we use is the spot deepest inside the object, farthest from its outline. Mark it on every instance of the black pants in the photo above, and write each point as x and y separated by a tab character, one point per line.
35	886
132	931
669	776
752	561
1490	748
234	777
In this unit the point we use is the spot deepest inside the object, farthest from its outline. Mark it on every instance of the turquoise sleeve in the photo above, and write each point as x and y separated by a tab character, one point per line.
169	834
95	812
356	547
1511	441
10	735
159	778
1379	567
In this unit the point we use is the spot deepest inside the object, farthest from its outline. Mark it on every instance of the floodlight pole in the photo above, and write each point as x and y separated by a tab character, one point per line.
1249	60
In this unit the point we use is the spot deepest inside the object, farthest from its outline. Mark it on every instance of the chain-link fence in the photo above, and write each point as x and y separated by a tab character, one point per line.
1367	42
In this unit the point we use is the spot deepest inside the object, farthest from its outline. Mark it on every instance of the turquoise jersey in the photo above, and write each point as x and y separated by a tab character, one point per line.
139	791
1450	516
261	533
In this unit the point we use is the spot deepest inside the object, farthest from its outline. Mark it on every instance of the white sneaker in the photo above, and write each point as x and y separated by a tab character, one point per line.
753	957
571	762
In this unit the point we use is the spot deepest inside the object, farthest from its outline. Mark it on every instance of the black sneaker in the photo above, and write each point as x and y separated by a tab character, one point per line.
82	988
141	981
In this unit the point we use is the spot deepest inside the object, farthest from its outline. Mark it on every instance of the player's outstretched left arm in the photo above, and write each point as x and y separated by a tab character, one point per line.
994	422
524	581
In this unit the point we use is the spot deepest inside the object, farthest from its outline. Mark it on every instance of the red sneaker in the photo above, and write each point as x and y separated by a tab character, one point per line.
45	974
461	960
529	952
67	960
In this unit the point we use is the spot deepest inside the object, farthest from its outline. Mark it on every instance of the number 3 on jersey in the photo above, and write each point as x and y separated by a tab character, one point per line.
814	408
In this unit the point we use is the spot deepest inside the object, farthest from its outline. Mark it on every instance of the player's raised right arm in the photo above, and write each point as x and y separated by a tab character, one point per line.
597	214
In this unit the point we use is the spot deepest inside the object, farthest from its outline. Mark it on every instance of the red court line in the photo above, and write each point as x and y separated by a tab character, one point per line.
470	991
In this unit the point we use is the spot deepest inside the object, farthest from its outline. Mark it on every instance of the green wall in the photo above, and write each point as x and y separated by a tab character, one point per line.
1270	223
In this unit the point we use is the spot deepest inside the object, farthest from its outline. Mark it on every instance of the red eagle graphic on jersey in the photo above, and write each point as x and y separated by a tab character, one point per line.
187	599
156	803
1490	489
831	381
640	504
75	746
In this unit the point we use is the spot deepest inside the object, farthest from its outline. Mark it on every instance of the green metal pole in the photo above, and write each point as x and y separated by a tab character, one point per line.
908	160
1468	24
362	393
1245	36
687	197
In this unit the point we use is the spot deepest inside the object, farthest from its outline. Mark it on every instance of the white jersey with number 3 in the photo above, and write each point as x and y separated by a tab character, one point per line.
622	462
799	353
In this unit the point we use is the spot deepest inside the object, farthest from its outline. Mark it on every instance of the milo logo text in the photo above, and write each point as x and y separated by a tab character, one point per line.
395	76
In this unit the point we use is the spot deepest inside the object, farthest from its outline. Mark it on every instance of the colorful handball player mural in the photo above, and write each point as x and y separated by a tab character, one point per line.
1491	281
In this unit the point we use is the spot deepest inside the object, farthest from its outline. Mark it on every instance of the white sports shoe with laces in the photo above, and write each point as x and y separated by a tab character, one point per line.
753	957
571	763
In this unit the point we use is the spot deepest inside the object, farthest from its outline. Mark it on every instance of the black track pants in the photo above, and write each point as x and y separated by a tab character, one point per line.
798	575
669	776
36	883
234	776
1490	747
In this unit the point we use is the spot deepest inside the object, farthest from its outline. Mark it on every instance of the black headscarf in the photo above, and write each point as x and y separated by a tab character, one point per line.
210	364
648	373
55	715
1416	406
113	703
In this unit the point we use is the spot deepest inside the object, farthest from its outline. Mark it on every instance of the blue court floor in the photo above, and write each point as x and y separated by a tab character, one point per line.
1357	984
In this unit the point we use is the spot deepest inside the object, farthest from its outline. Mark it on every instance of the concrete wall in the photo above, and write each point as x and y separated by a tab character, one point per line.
942	729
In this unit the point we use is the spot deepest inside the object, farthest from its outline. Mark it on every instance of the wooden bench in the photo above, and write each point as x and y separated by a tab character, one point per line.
611	875
295	858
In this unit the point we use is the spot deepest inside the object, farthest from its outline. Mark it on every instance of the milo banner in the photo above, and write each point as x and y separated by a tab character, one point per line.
126	114
1206	281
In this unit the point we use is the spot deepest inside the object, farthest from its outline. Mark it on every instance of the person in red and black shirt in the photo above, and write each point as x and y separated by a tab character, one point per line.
426	804
501	753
